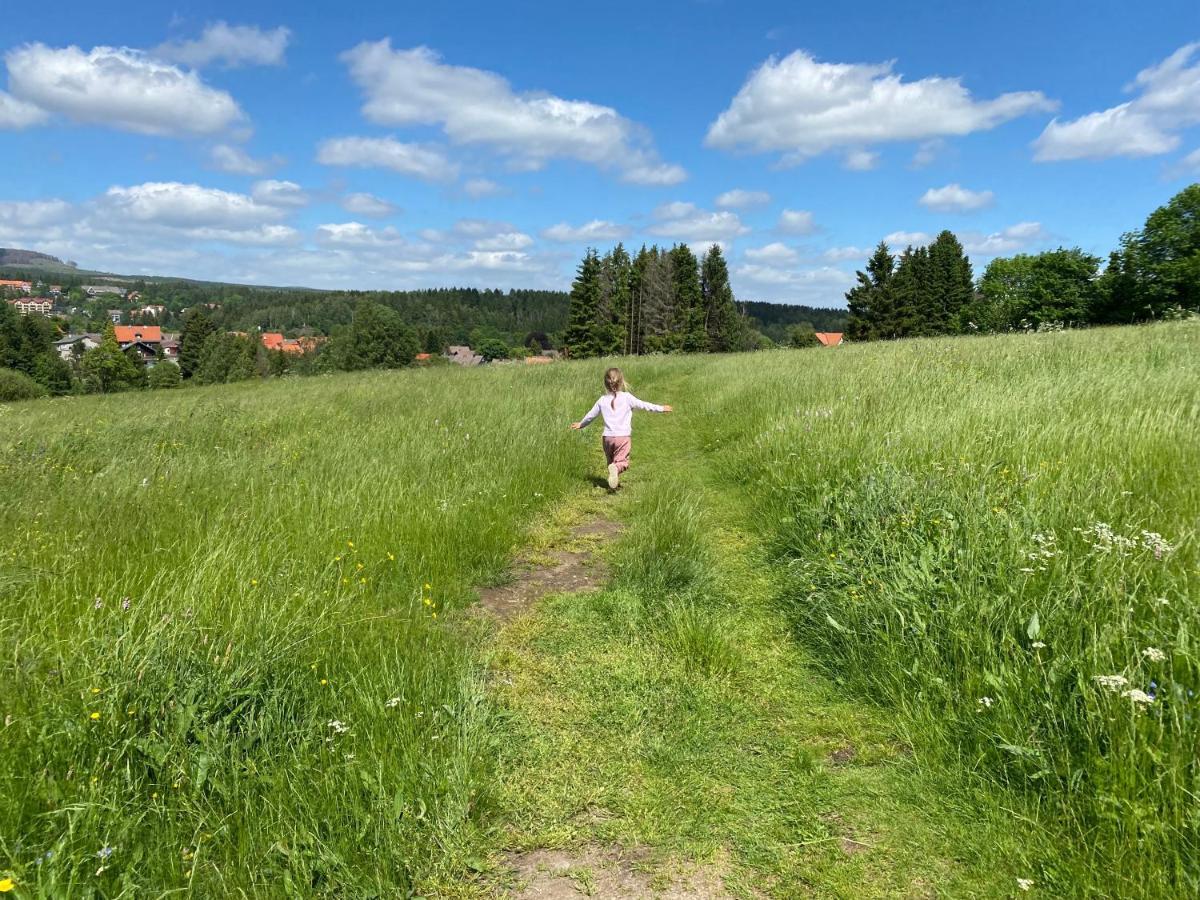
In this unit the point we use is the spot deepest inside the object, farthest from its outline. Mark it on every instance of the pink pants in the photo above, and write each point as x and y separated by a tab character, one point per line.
616	450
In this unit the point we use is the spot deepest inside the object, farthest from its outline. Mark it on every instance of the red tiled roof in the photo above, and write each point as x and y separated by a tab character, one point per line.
272	340
147	334
829	338
421	357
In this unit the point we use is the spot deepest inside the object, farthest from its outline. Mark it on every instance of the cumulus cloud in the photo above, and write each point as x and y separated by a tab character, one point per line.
898	240
1008	240
1167	101
772	254
820	286
362	204
927	152
956	198
237	161
176	205
740	199
687	222
231	45
17	114
590	232
841	254
505	240
1187	166
418	160
279	193
481	187
796	221
800	107
118	88
356	234
474	106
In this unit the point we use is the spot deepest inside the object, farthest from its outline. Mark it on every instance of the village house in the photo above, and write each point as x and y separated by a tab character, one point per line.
830	338
24	287
144	340
66	346
157	310
464	356
274	340
41	306
95	290
170	346
114	316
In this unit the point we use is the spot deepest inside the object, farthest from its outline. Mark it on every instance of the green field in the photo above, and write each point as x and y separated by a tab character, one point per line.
861	594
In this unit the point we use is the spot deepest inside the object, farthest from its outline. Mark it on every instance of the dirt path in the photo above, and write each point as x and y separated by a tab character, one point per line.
664	737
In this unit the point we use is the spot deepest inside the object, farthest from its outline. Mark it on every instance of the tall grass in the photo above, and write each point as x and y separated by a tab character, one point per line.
223	660
976	533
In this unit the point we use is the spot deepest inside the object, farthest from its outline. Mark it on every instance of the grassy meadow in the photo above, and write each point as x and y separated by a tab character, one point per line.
235	660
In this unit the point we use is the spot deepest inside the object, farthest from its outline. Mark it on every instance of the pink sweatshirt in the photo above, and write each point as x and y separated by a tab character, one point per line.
618	421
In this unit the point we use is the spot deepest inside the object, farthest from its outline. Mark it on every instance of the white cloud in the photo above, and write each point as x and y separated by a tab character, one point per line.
1167	101
800	107
796	221
1008	240
507	240
1187	166
590	232
820	286
481	187
232	45
860	160
956	198
32	214
177	205
772	254
356	234
687	222
841	254
362	204
279	193
237	161
740	199
474	106
898	240
18	114
417	160
118	88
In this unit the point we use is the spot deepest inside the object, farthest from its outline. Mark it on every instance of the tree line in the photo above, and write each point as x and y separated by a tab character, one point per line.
930	290
659	301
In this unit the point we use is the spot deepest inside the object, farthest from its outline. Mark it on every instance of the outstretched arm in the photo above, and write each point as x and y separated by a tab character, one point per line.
586	420
648	407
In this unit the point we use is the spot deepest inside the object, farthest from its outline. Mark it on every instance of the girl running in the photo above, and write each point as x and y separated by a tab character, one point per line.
617	406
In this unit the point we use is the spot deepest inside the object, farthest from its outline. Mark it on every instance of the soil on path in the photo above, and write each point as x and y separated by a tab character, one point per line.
608	873
571	566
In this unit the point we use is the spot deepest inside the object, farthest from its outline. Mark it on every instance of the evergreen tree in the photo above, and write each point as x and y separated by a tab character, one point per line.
655	301
164	375
197	328
580	338
218	357
687	302
613	307
901	315
722	322
949	288
376	339
868	300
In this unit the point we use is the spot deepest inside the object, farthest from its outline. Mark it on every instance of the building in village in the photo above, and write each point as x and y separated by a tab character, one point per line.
33	306
96	290
17	287
830	338
463	356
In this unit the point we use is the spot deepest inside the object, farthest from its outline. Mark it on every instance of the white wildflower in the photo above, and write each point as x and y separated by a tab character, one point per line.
1027	571
1163	601
1111	682
394	702
1140	698
338	727
985	702
1037	645
1154	654
1025	883
1152	540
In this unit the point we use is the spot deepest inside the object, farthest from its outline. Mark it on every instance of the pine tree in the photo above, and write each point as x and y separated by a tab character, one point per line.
611	311
720	311
656	301
869	301
949	288
906	295
107	369
687	302
580	337
197	328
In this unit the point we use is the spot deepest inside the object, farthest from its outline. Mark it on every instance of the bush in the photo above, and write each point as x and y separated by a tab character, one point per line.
16	385
165	374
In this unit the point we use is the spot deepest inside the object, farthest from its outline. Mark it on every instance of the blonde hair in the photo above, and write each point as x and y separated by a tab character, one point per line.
614	383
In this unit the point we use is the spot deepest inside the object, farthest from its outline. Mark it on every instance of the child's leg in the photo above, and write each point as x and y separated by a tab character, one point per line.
620	452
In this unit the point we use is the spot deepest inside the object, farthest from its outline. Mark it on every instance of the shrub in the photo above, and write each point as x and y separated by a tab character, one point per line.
16	385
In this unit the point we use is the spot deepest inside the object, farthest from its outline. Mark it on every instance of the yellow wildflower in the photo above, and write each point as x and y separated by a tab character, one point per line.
350	544
428	587
392	557
324	681
6	885
95	717
254	582
362	581
95	690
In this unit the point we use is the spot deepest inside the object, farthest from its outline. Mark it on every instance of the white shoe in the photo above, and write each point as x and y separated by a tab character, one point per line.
614	477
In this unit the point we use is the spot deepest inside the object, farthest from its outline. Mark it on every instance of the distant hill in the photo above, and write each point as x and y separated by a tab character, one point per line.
31	259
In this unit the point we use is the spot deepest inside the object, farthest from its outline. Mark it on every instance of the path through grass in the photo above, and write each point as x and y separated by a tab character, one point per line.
674	711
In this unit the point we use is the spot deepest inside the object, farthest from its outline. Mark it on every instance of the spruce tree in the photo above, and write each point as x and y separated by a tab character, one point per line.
720	312
197	327
868	300
687	302
656	301
580	336
949	288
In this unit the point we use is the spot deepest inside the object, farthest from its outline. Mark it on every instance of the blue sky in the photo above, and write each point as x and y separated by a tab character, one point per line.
401	145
